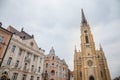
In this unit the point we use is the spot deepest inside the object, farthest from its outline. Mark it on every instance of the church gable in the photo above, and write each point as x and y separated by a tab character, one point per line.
99	54
24	36
32	43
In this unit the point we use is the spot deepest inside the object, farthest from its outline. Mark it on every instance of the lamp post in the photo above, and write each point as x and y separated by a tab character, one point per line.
45	76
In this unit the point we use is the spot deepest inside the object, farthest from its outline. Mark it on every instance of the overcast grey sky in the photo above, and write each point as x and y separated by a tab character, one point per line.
57	23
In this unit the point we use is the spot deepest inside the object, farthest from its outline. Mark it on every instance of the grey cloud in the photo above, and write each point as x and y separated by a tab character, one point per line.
57	23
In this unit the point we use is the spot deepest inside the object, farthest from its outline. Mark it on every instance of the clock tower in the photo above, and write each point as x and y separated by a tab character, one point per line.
89	64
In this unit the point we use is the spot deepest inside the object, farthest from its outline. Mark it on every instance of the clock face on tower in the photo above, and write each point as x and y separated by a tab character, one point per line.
89	62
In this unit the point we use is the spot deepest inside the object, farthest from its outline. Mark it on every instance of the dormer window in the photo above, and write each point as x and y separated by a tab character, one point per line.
23	37
85	31
14	33
31	43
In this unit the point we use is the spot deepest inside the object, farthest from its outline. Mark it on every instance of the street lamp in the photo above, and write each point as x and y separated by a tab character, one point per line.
45	76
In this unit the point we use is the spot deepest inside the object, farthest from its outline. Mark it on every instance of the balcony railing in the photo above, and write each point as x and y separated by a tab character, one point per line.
26	69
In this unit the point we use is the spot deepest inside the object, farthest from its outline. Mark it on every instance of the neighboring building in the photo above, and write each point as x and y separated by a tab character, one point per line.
56	69
89	64
71	76
24	59
117	78
5	37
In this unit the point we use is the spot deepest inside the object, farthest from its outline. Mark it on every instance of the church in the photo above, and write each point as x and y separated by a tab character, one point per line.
89	63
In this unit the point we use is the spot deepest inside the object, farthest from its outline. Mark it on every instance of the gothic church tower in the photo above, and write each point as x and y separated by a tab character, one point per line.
89	64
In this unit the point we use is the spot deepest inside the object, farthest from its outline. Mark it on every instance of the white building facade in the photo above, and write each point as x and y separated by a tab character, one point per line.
24	59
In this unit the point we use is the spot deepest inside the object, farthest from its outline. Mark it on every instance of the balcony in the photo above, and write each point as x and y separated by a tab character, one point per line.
26	69
17	68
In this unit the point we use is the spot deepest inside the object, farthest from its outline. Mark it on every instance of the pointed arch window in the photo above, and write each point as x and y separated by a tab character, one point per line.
91	78
86	39
53	57
80	75
85	31
101	73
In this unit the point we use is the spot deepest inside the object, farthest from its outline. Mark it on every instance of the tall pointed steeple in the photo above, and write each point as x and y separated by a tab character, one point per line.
75	49
101	47
89	63
84	21
52	51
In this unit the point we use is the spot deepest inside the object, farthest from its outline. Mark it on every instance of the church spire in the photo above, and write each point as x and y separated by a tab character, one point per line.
84	21
52	51
75	49
100	47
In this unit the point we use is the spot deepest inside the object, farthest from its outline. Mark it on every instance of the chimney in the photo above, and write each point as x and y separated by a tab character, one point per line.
21	29
32	36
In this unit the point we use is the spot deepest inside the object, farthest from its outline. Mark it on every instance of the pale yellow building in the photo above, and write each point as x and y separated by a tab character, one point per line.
89	63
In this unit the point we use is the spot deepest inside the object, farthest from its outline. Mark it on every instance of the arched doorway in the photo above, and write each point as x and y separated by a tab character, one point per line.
4	76
91	78
53	72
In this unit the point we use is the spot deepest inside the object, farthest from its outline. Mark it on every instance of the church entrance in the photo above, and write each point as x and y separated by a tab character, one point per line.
91	78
